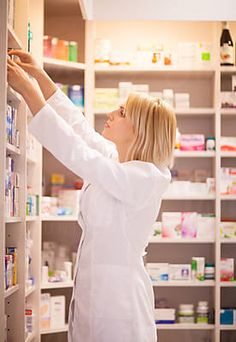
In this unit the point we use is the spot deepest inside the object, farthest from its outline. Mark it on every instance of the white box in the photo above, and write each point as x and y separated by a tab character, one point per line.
45	312
158	271
164	314
171	225
69	199
57	311
179	272
206	225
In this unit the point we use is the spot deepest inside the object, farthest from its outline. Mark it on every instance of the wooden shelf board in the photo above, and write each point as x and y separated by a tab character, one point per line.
55	330
10	291
58	285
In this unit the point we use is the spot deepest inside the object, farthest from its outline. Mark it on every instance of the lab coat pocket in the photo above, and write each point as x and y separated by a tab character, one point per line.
112	292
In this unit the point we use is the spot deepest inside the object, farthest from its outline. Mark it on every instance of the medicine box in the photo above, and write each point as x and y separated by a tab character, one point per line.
179	272
57	311
158	271
45	311
228	230
227	316
227	269
164	316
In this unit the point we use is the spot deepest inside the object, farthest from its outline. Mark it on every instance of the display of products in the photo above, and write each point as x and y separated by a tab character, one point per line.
52	311
12	184
75	93
10	278
32	205
29	320
226	46
60	48
12	133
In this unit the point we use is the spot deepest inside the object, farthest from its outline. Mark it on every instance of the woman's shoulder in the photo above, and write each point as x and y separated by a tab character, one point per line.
149	169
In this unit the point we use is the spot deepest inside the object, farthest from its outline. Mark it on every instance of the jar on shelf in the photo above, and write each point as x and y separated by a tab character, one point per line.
202	313
210	143
209	271
186	313
73	51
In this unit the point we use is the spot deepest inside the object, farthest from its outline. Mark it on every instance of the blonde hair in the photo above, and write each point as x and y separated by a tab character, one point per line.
154	124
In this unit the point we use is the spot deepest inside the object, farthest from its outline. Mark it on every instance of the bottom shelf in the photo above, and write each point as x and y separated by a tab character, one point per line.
227	327
184	326
55	330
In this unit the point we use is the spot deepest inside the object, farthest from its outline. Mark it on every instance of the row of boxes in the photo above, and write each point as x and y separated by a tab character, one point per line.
12	184
10	278
12	133
52	311
185	225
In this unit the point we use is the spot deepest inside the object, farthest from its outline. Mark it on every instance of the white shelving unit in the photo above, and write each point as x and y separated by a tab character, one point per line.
203	116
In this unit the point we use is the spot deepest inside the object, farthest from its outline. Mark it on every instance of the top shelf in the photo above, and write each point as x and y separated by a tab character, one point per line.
13	41
61	65
152	68
228	69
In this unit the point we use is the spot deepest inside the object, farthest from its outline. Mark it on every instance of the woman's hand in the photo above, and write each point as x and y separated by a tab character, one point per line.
17	77
27	62
20	82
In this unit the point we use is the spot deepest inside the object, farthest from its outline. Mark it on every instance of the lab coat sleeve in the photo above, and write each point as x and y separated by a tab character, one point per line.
131	182
75	118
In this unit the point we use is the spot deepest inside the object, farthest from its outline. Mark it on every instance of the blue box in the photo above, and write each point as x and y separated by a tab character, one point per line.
227	316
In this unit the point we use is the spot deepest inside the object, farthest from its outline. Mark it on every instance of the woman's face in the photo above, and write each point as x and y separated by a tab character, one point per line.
118	128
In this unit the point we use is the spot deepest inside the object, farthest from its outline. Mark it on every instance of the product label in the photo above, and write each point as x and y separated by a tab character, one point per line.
227	54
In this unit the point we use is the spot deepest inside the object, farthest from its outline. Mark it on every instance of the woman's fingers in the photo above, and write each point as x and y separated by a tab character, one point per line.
18	53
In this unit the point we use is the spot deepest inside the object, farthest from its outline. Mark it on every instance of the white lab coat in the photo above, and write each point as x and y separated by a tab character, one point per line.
112	298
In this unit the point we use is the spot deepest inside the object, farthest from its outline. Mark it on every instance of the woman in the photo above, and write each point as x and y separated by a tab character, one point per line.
126	173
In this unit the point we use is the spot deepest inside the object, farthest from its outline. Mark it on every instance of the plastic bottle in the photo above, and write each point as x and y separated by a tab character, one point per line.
202	313
226	46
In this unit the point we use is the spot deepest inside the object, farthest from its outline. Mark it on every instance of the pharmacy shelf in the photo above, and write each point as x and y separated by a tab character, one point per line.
11	290
182	283
55	330
13	41
32	218
194	197
225	240
227	327
61	65
29	290
194	154
13	98
30	337
228	111
58	285
11	149
99	68
180	240
228	69
59	218
228	197
228	283
185	326
228	154
13	219
195	111
178	111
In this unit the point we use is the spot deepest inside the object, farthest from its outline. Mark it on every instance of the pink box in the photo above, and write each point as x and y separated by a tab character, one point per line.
192	142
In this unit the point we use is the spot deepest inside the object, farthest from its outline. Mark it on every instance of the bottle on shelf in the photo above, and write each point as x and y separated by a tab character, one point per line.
226	46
